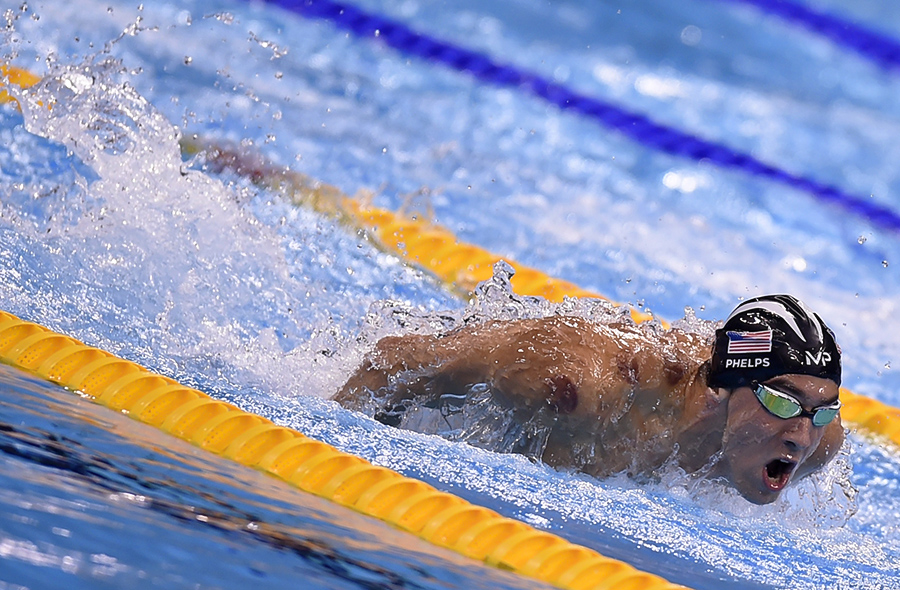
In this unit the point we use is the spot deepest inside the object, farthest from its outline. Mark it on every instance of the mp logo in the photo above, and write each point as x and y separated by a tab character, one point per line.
819	358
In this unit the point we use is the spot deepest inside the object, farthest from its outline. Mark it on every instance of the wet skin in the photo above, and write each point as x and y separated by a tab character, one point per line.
762	453
621	399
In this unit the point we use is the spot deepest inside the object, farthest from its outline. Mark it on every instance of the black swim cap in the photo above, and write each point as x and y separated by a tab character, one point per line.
769	336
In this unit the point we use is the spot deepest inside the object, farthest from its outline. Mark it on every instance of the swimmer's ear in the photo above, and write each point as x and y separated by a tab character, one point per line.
720	393
715	396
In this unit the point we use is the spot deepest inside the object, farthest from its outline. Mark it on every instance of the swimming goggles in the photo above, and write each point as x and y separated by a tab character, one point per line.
785	405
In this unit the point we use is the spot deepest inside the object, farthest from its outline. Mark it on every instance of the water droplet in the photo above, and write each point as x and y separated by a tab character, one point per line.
691	35
861	239
224	17
798	264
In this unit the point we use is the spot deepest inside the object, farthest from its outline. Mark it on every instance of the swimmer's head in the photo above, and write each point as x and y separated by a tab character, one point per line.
770	336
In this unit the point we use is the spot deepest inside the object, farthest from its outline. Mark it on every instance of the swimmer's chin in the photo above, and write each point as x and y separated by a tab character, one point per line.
752	495
763	499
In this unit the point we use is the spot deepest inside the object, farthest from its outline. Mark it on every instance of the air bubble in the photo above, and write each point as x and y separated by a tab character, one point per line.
691	35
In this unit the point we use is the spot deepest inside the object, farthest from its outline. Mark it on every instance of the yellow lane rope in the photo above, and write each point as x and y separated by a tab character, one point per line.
459	265
219	427
436	249
431	247
10	75
222	428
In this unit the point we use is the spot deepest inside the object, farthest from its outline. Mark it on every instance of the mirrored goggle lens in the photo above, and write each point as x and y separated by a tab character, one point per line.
778	403
824	416
784	406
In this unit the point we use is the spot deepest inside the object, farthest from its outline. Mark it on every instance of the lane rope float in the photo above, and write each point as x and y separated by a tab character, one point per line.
13	76
439	517
426	245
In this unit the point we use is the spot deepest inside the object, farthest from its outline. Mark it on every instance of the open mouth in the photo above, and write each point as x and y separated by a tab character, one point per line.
777	473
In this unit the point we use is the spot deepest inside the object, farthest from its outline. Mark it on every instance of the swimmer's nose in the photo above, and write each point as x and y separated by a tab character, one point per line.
799	435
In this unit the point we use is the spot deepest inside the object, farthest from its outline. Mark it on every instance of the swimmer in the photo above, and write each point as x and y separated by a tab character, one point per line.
757	410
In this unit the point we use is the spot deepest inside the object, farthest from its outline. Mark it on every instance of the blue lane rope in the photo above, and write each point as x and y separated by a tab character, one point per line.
635	126
881	49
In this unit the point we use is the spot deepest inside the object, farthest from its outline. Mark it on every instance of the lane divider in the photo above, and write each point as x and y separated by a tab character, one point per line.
436	249
11	75
635	126
881	49
461	266
428	246
219	427
439	517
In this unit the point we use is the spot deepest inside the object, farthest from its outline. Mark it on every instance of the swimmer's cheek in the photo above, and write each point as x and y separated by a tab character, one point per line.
831	443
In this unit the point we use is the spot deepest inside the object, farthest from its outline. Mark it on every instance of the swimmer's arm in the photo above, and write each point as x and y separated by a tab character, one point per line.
828	447
524	362
383	370
413	366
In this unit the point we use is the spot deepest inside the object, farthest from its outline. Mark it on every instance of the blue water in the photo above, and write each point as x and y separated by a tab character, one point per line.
106	236
93	500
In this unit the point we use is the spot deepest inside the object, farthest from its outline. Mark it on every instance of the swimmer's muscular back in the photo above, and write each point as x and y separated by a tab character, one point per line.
611	386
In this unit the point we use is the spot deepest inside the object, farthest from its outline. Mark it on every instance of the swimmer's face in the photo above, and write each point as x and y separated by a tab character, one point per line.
761	451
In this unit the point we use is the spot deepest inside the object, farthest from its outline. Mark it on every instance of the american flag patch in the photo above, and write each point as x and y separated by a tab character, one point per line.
749	342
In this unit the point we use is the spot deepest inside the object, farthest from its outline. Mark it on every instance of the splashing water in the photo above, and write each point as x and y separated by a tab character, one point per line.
117	241
476	416
183	241
174	238
195	273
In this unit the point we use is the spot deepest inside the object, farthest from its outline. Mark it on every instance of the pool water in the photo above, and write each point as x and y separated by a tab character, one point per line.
93	499
106	235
